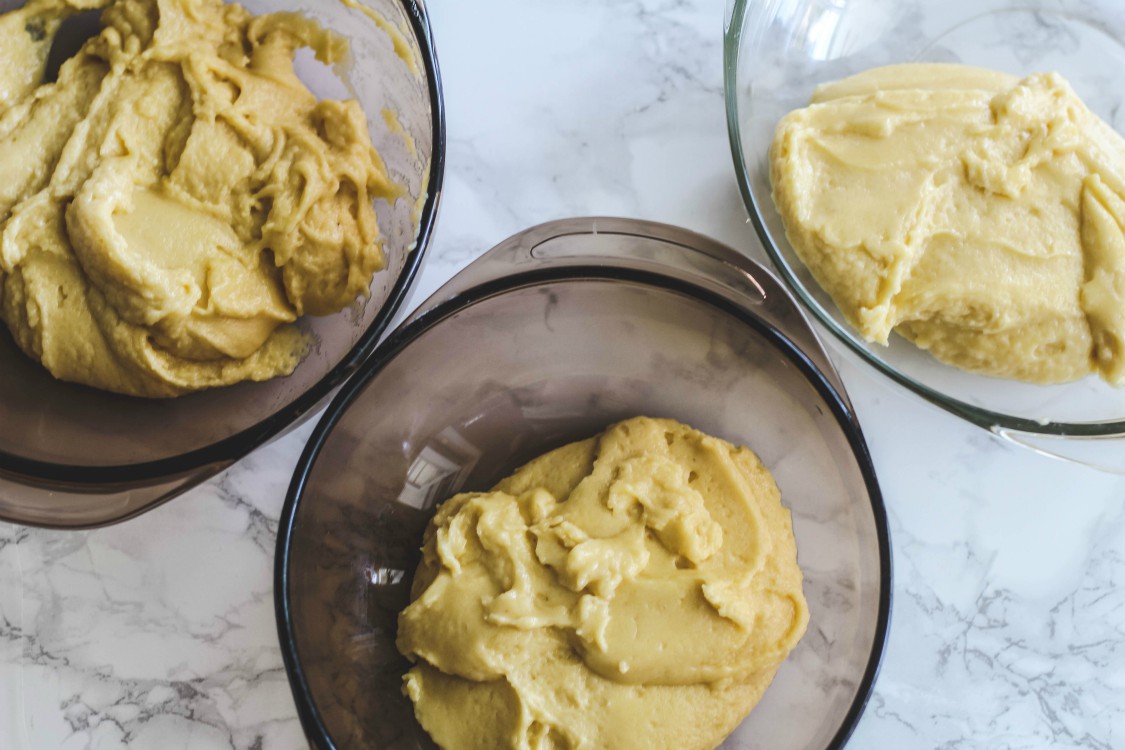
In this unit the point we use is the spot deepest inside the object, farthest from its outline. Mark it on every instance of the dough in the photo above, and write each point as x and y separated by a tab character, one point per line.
979	215
178	197
635	590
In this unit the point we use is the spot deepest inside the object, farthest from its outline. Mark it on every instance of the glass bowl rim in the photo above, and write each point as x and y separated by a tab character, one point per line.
996	422
309	715
234	447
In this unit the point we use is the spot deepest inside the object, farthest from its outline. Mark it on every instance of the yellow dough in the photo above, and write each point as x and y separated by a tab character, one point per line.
979	215
177	198
635	590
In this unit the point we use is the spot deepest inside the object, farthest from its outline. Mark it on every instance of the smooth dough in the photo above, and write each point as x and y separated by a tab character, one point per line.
979	215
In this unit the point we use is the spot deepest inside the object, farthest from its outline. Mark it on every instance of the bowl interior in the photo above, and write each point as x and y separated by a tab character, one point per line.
777	53
478	386
69	428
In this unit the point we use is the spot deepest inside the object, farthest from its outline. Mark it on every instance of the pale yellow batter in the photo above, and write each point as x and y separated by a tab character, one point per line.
635	590
178	197
979	215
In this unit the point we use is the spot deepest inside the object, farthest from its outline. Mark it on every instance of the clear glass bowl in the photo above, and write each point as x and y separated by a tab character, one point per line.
548	338
777	52
72	456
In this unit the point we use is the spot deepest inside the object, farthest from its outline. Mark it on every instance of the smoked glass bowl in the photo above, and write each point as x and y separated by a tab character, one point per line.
778	51
548	338
72	456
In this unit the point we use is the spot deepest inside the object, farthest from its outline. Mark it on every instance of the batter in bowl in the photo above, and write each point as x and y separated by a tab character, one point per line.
635	590
177	197
977	214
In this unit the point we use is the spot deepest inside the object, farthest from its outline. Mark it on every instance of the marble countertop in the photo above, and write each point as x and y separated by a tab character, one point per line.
1008	620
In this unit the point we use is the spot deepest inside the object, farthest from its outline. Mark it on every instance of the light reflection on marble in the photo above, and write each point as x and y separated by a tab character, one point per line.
1008	627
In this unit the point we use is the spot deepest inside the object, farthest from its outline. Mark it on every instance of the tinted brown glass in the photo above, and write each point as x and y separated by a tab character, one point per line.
519	364
75	456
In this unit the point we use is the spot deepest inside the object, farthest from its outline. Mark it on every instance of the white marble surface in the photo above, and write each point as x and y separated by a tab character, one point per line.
1008	625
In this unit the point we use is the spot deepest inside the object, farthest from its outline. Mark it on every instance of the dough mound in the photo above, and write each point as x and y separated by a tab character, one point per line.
635	590
978	215
177	197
